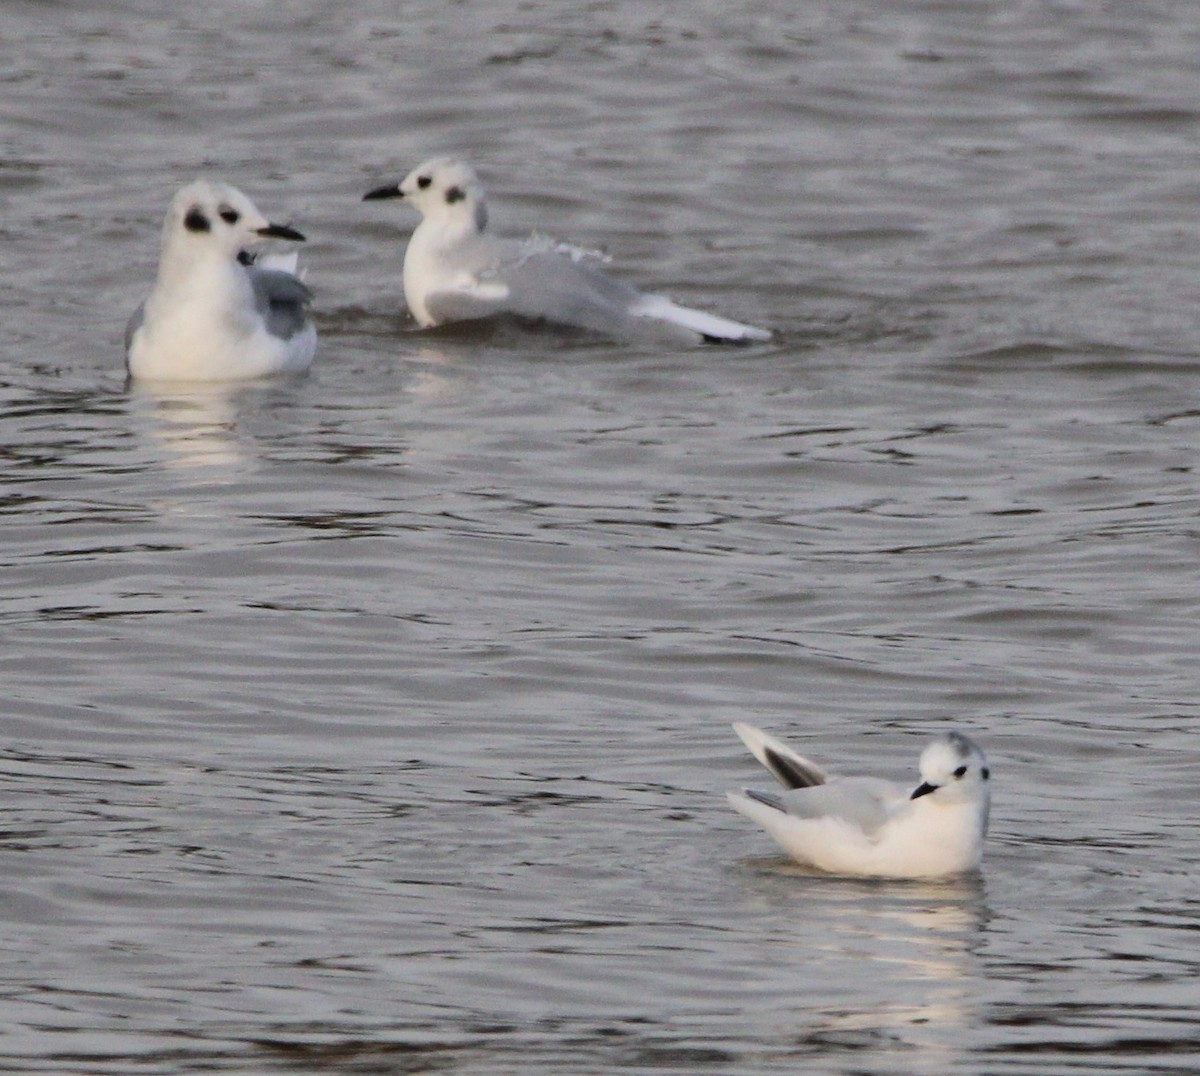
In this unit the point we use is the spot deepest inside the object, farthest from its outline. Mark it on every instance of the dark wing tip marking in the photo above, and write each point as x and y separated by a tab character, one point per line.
787	770
765	798
736	341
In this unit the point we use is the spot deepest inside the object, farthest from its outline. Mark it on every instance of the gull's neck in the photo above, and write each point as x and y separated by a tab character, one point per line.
453	225
203	279
184	262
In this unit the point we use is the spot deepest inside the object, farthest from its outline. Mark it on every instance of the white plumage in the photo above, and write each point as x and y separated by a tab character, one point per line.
456	269
216	311
868	826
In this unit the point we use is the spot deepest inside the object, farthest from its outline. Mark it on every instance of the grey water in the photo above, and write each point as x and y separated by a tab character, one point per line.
377	721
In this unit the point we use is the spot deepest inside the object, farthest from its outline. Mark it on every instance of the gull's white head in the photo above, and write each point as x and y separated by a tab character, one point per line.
441	189
953	770
208	218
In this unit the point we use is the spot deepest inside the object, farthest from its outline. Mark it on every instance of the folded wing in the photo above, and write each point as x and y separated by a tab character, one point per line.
282	299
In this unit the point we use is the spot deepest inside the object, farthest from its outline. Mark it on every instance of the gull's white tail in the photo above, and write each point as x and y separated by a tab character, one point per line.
710	327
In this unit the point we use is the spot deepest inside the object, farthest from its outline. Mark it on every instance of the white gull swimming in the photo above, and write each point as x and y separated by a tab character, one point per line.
457	269
218	311
868	826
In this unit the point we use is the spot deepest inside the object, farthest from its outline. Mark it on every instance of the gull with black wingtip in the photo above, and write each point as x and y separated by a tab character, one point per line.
457	269
219	310
870	827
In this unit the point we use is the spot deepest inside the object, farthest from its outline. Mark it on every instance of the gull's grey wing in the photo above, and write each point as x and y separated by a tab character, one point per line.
282	299
866	802
558	288
475	283
135	323
467	303
531	278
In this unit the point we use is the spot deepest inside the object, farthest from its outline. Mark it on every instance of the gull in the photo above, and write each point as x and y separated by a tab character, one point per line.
219	311
869	826
456	269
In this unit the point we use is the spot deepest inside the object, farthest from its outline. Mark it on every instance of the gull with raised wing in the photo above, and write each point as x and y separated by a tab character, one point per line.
869	826
457	269
219	311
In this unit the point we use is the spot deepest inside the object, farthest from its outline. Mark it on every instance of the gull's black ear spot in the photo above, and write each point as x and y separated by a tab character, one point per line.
423	182
196	221
229	215
454	194
985	773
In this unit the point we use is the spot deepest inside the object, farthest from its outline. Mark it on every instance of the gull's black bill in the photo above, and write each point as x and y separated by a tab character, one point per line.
923	790
392	191
281	231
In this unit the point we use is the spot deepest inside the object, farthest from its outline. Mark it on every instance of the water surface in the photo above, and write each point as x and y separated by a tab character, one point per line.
378	721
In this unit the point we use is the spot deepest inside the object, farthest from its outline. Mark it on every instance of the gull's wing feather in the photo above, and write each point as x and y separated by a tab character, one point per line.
790	769
281	298
468	300
864	802
828	842
711	328
556	287
542	280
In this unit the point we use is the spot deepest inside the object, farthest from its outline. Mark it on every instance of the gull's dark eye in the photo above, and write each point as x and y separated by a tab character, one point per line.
986	773
423	181
961	771
196	221
229	215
